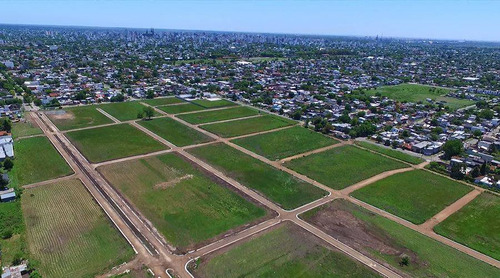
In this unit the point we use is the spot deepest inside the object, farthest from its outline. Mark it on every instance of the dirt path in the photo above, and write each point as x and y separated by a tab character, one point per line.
449	210
36	184
348	190
320	150
108	115
230	120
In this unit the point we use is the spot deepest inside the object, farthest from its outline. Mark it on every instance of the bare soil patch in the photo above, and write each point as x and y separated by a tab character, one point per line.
173	182
61	115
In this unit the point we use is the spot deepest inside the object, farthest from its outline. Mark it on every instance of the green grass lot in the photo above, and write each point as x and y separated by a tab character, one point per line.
163	101
476	225
175	132
184	204
343	166
124	111
36	160
416	93
286	251
392	153
78	117
112	142
386	241
280	187
285	143
68	234
247	126
213	104
11	223
26	128
181	108
415	196
219	115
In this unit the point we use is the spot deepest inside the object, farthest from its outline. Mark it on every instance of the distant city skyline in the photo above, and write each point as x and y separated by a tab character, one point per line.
445	19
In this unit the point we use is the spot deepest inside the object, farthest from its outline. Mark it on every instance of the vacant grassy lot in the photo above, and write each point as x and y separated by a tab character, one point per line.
183	203
219	115
163	101
280	187
388	242
27	128
181	108
416	93
247	126
476	225
11	223
392	153
112	142
124	111
285	143
77	117
213	104
37	160
343	166
68	233
286	251
175	132
415	196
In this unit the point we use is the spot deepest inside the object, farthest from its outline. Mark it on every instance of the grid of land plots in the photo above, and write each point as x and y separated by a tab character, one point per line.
219	189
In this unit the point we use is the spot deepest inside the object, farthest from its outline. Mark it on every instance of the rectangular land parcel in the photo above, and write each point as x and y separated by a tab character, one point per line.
113	142
175	132
280	187
185	204
77	117
68	233
415	196
219	115
247	126
388	242
343	166
285	143
284	251
476	225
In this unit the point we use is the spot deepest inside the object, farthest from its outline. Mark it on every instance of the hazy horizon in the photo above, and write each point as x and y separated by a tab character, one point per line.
433	20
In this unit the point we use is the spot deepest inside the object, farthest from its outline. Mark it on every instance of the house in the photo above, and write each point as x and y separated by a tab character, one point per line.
7	195
17	271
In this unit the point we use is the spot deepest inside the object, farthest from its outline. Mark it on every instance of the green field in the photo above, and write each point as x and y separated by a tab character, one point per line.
476	225
175	132
415	196
163	101
392	153
343	166
285	143
112	142
286	251
77	117
11	223
280	187
219	115
388	242
68	234
184	204
30	166
416	93
26	128
181	108
213	103
124	111
247	126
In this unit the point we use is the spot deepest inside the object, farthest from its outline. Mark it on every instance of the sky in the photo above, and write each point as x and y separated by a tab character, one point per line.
437	19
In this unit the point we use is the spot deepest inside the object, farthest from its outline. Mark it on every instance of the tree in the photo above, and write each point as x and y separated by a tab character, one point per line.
150	94
486	114
8	164
475	172
483	169
456	171
148	112
477	133
452	148
6	125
